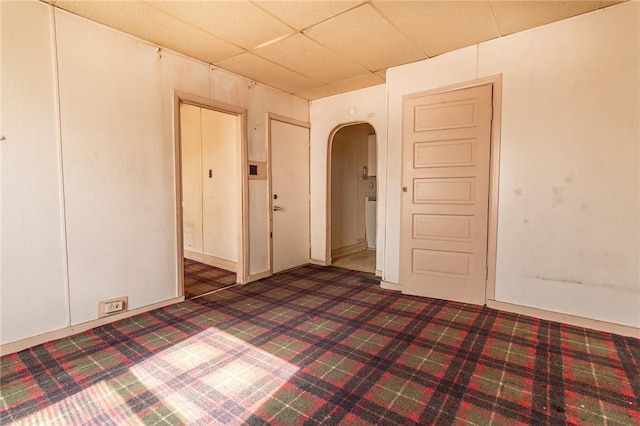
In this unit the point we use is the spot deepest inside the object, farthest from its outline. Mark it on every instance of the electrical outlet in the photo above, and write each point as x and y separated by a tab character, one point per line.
116	306
113	306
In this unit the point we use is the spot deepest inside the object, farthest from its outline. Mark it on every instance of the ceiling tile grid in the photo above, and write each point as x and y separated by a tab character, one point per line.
318	48
362	35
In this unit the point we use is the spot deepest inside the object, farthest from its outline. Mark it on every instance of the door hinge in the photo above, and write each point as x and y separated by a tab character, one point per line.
486	273
270	234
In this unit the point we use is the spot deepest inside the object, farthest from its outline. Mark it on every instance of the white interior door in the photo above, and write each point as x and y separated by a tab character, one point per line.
289	195
191	146
445	160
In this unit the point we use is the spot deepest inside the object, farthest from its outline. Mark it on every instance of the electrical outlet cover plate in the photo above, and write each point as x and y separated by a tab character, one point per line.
112	306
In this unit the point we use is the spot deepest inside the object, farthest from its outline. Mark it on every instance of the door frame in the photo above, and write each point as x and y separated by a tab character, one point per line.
329	259
494	170
294	122
243	199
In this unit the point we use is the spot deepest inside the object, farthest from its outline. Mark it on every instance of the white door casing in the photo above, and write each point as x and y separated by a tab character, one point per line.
289	195
445	199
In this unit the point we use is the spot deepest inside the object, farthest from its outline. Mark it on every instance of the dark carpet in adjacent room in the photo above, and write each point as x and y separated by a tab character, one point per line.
325	346
200	279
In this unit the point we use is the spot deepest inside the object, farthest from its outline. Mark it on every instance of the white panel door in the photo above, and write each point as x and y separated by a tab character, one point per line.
289	195
191	150
446	153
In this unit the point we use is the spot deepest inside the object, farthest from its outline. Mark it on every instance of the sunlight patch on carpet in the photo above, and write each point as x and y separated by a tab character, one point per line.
213	374
100	403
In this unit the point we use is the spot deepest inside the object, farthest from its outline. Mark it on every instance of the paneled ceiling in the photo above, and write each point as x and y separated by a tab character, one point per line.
314	48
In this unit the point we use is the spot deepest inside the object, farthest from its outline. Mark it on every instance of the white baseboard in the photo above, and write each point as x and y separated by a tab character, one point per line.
318	262
378	273
353	248
623	330
388	285
18	345
218	262
258	276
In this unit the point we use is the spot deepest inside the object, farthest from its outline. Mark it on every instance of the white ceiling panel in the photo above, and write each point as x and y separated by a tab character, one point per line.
437	27
301	14
318	92
259	69
303	55
363	36
519	15
239	22
142	21
359	82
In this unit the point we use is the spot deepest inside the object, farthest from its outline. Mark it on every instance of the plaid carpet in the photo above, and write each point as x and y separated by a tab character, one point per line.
325	346
201	279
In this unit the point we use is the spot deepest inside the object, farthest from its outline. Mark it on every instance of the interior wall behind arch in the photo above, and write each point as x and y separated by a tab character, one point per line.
349	187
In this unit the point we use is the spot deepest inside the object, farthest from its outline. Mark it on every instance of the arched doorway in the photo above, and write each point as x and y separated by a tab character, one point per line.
352	197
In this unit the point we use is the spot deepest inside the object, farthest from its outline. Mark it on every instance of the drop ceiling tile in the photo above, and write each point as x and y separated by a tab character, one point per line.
359	82
318	92
437	27
514	16
302	14
142	21
239	22
263	71
303	55
362	36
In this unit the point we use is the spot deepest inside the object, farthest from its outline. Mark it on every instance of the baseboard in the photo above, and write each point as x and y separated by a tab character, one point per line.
608	327
388	285
353	248
378	273
19	345
318	262
218	262
258	276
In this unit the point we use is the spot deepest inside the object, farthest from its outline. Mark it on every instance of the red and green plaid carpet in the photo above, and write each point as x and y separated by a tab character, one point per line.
201	279
325	346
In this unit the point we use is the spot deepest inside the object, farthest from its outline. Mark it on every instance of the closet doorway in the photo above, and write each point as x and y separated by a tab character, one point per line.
352	200
211	189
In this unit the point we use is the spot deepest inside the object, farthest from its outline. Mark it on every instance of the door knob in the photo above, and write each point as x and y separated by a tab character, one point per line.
277	208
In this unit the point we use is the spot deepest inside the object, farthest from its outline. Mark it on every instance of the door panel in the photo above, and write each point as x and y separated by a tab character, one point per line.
446	153
191	145
290	184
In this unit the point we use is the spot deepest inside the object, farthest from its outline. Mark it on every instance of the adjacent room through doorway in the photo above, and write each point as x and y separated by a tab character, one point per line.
353	175
210	141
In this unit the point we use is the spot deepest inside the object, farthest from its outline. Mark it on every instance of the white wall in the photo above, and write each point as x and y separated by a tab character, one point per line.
344	191
117	152
568	231
327	114
569	208
117	146
33	284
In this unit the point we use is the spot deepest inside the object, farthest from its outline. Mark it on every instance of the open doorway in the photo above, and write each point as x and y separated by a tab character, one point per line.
211	192
353	198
